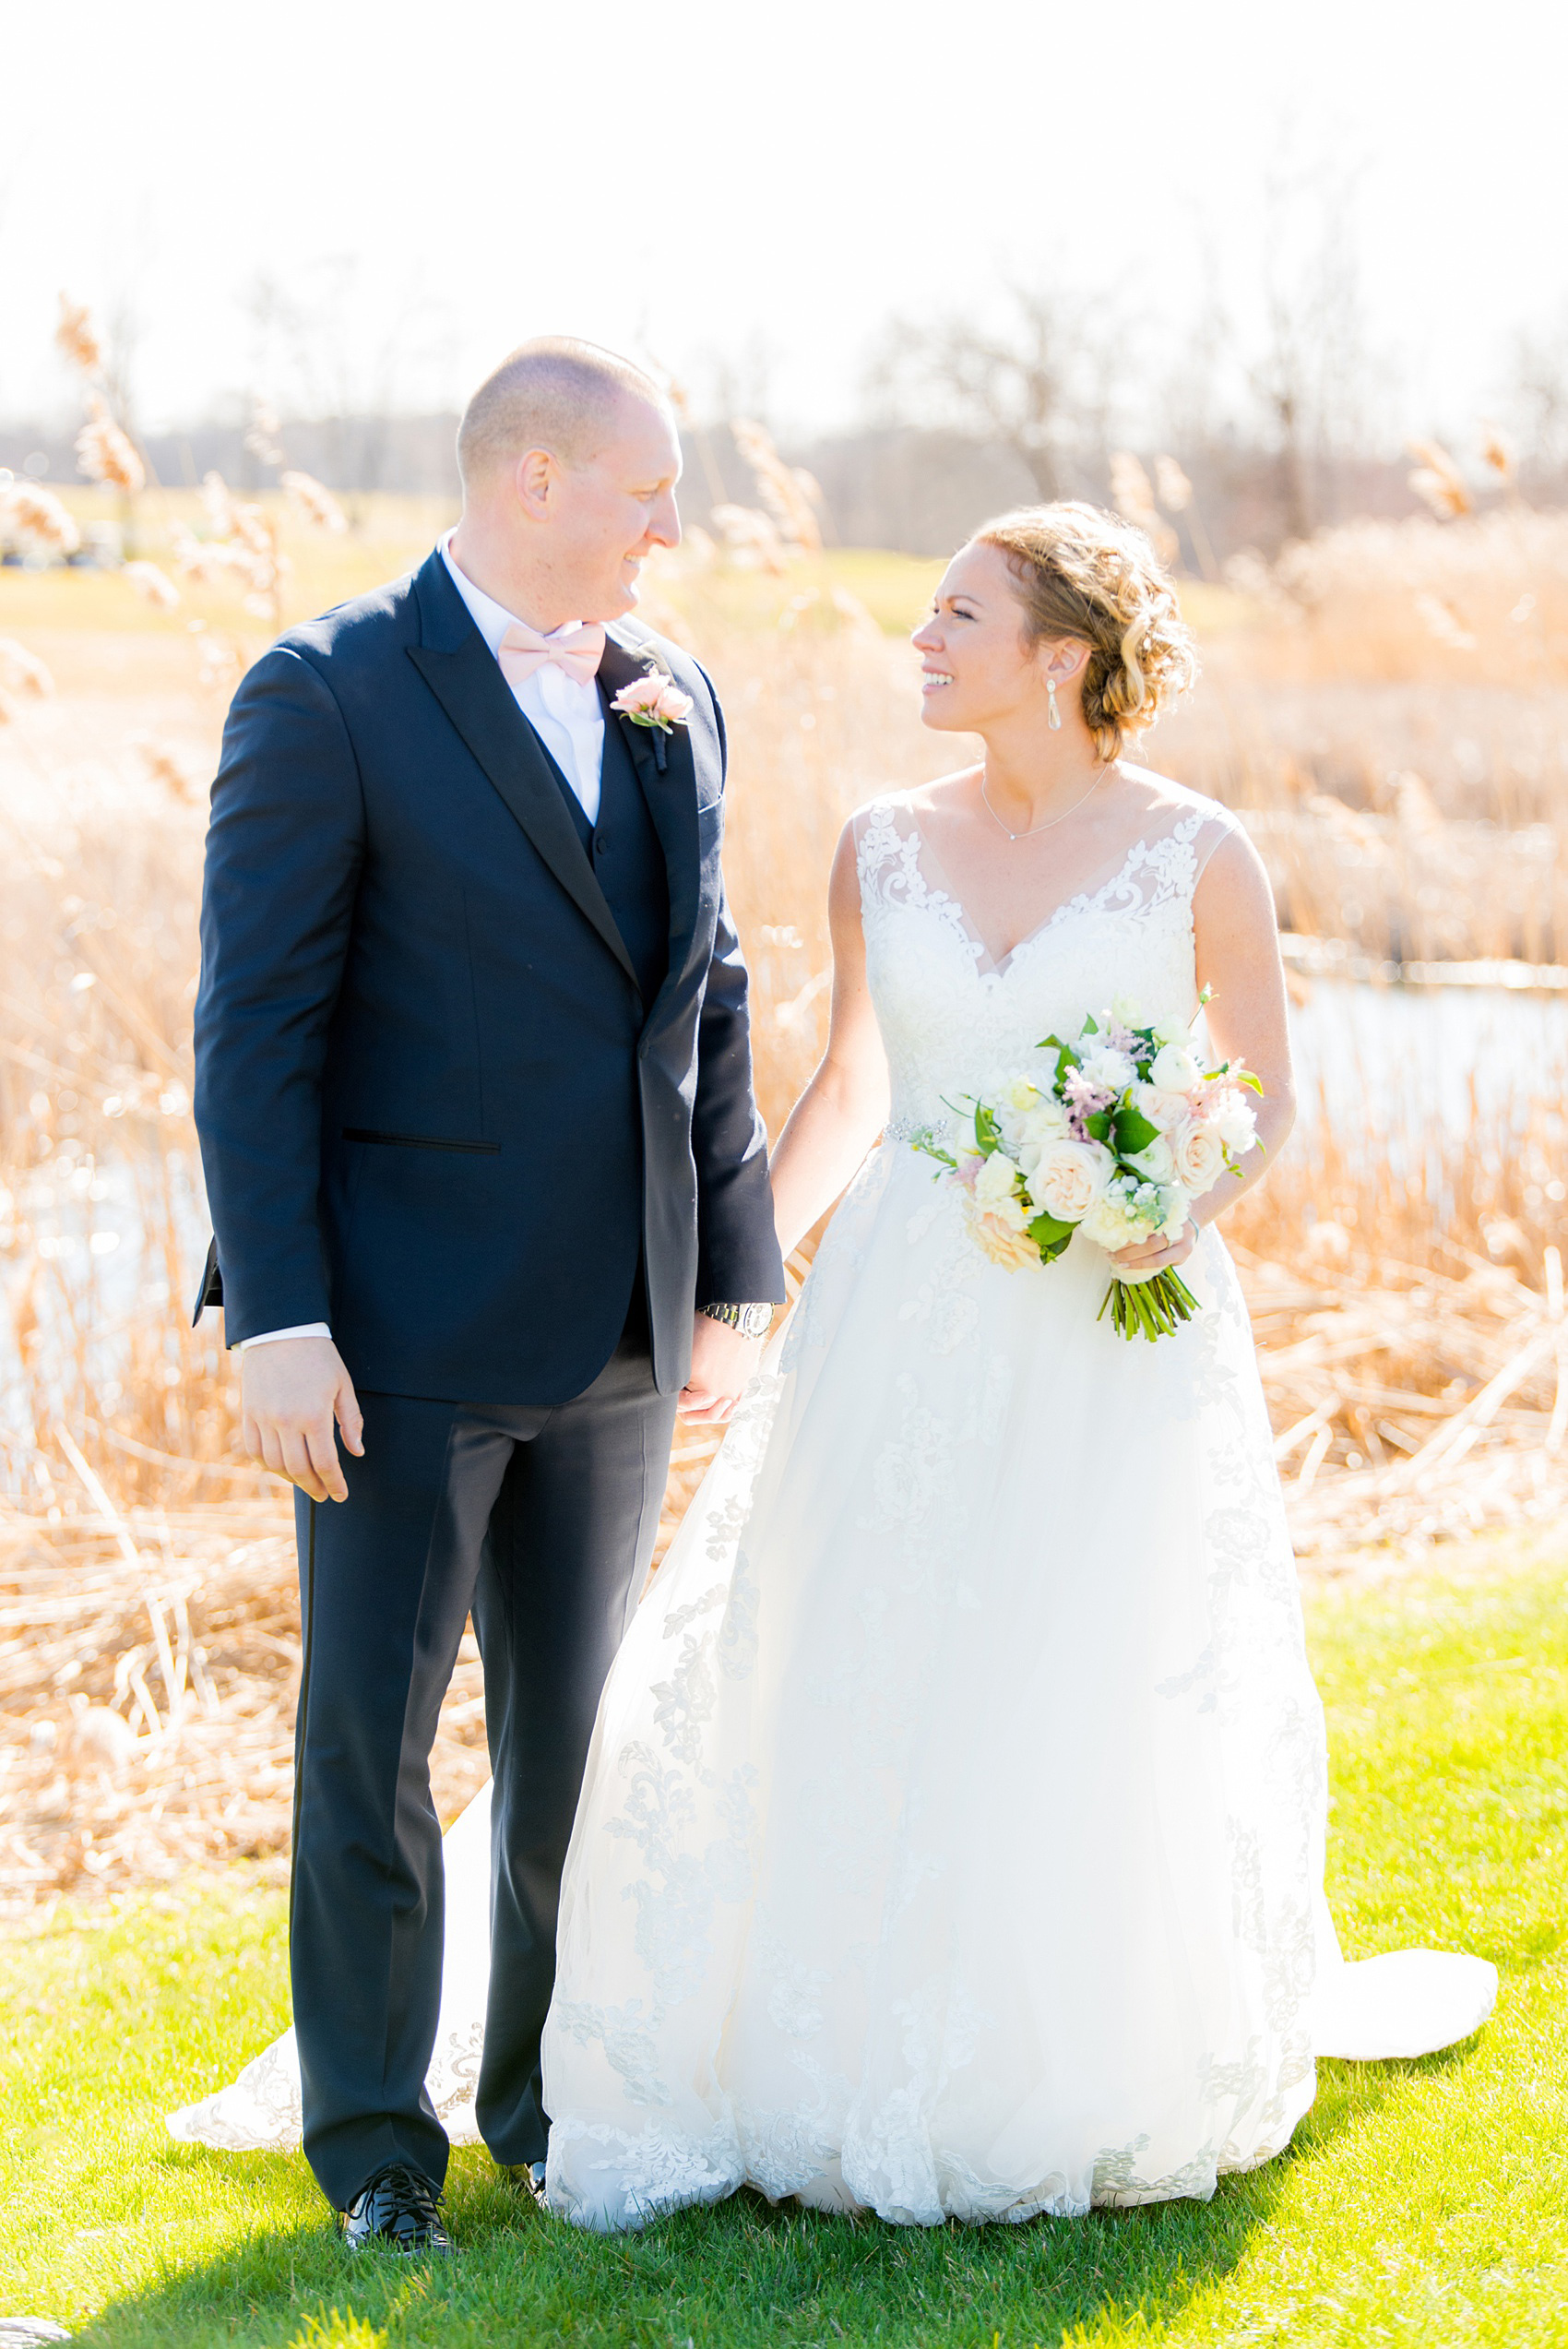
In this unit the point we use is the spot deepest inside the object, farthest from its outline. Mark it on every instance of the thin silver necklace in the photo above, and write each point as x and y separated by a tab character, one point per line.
1050	819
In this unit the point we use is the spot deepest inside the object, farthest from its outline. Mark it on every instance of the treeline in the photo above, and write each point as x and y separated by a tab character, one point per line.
918	489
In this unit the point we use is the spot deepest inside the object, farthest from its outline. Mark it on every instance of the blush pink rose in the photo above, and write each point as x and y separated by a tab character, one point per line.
655	701
1161	1109
1000	1232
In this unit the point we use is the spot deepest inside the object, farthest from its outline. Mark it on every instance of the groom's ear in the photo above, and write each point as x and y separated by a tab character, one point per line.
534	480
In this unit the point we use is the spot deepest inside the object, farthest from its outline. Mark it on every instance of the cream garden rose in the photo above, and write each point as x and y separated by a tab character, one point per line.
1199	1155
1068	1177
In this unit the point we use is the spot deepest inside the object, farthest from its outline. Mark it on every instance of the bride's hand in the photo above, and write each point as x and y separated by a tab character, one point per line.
723	1365
1158	1254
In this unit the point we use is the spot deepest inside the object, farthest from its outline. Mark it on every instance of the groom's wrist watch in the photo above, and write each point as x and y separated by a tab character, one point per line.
751	1320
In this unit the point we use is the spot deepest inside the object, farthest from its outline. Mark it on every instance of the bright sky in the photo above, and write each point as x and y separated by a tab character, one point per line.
702	180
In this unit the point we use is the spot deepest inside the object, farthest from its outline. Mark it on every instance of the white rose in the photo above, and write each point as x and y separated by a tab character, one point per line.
1173	1069
1200	1157
1113	1071
1047	1122
1126	1010
1233	1121
1158	1161
1037	1131
1173	1032
1068	1178
995	1179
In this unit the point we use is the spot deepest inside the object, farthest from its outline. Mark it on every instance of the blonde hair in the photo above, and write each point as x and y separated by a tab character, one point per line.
554	393
1087	575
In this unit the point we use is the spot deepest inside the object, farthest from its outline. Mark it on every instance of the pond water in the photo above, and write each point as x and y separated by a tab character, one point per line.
1425	1061
1397	1070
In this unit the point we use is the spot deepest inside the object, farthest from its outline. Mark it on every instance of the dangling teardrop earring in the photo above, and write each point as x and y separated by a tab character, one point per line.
1054	715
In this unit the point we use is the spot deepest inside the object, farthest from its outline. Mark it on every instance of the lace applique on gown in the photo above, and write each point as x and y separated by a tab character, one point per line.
952	1838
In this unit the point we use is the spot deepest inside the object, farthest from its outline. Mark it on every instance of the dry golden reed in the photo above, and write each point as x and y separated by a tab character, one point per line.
106	454
317	504
36	520
1438	481
75	338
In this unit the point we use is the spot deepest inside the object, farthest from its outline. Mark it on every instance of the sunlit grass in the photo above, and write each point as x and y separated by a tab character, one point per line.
1420	2204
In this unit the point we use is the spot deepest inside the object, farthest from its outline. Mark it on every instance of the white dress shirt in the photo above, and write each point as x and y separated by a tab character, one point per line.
568	719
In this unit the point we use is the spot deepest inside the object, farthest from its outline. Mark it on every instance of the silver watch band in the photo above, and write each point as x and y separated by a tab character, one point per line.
751	1320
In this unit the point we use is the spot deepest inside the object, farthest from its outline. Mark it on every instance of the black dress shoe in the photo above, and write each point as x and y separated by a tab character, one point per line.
398	2210
528	2179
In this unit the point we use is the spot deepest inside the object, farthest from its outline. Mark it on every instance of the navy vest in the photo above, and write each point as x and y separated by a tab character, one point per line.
627	856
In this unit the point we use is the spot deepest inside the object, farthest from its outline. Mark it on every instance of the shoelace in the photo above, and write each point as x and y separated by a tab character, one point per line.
409	2187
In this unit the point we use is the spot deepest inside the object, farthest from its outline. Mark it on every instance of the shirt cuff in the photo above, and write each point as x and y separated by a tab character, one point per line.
271	1337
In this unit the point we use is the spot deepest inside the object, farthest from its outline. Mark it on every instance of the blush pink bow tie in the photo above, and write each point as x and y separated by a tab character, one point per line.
576	650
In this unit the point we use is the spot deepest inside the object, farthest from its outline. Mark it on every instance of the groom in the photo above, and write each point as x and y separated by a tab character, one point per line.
489	1192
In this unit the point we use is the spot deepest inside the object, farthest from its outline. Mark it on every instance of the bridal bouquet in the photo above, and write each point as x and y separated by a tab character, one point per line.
1114	1134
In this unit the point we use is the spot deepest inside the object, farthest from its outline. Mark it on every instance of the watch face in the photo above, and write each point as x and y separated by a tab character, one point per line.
754	1319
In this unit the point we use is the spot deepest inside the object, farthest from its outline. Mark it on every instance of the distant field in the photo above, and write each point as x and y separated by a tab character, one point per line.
390	535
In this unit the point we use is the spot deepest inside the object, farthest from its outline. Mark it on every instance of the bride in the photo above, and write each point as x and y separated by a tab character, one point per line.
952	1840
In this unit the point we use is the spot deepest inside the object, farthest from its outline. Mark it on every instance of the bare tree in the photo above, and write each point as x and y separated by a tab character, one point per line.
1312	375
317	353
1038	384
1537	400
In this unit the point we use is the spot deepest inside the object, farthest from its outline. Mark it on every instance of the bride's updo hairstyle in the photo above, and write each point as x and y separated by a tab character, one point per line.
1085	574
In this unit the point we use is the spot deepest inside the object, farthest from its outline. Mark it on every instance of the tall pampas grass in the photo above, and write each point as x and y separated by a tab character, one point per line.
106	454
75	338
34	520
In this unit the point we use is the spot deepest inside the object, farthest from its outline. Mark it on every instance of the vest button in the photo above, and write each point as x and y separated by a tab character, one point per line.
601	842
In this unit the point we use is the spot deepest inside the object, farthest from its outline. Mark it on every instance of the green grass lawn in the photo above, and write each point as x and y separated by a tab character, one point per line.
1420	2203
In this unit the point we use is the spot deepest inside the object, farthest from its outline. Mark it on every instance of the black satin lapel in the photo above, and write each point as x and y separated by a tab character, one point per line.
470	688
671	795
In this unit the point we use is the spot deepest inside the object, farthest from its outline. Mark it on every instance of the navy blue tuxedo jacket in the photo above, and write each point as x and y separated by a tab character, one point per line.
434	1109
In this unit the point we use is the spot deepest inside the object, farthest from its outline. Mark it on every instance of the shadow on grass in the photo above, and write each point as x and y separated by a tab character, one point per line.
742	2275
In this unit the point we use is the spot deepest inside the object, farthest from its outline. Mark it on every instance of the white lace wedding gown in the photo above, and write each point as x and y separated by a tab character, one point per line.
952	1840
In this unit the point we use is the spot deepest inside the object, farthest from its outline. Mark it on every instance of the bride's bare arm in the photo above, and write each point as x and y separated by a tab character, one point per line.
844	1106
1238	955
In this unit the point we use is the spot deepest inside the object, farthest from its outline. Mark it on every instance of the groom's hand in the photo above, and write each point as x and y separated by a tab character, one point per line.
723	1365
291	1391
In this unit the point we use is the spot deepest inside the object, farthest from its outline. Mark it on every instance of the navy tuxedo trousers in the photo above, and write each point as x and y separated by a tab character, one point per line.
542	1521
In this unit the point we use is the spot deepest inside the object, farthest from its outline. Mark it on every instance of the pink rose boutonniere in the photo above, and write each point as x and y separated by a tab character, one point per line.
654	700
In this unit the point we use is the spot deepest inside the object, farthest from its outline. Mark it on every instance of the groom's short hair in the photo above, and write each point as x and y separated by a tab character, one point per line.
554	393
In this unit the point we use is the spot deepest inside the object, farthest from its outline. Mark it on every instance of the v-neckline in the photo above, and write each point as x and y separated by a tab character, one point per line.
1000	965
